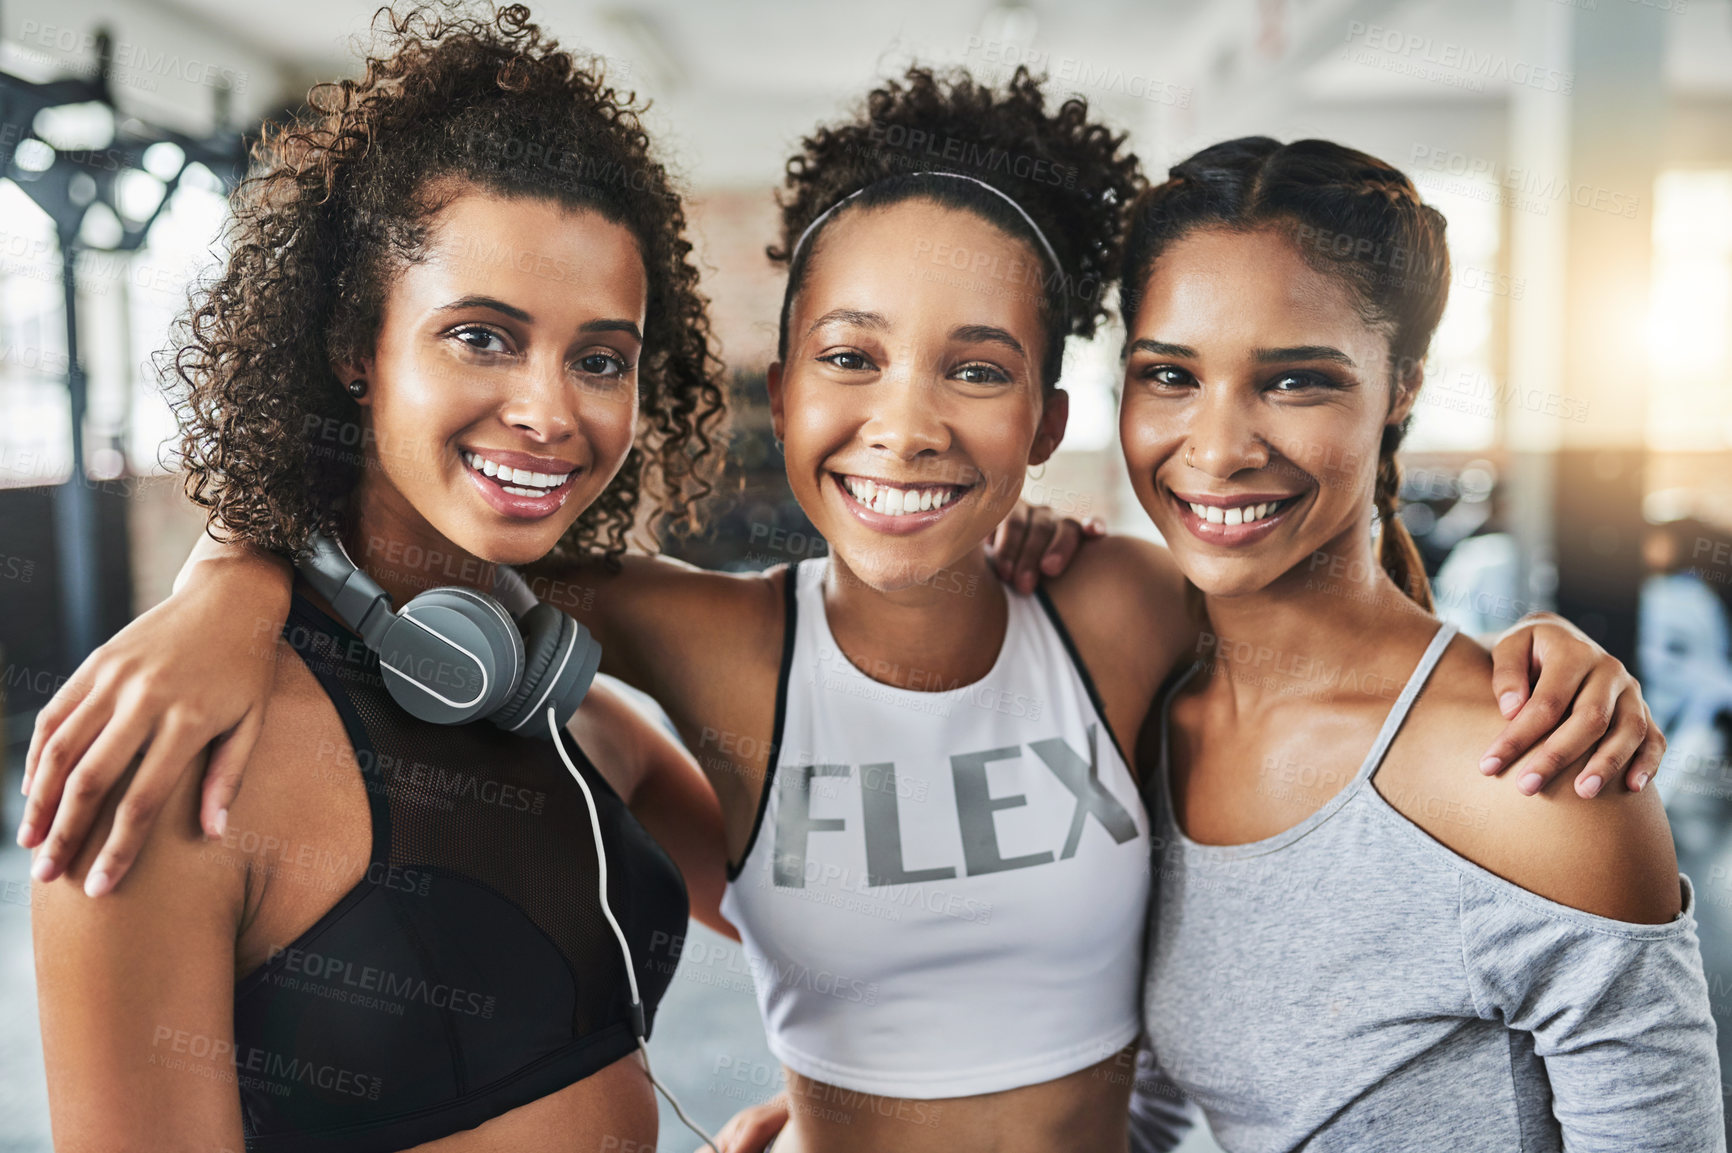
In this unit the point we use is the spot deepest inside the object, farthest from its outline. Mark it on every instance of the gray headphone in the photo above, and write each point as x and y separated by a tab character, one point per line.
453	655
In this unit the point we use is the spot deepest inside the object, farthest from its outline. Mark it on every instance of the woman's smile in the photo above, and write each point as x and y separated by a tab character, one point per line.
885	505
519	485
1235	520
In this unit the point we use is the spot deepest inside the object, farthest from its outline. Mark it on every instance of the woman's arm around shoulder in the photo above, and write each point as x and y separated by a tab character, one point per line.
1609	855
137	992
192	673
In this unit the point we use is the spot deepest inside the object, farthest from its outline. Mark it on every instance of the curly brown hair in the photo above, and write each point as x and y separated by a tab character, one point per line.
340	199
1066	171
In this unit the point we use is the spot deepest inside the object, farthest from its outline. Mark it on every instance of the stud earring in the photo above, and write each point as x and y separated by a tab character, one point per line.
357	387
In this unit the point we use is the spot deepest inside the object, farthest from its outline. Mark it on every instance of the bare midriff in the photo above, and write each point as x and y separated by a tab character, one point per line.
1084	1112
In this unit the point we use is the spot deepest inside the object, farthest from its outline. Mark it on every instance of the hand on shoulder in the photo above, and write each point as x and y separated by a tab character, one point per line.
1610	855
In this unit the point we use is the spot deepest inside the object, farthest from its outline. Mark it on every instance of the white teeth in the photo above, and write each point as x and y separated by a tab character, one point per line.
1243	514
523	481
896	501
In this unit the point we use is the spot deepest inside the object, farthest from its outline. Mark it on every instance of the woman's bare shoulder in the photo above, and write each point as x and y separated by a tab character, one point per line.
300	833
1610	855
130	982
1123	601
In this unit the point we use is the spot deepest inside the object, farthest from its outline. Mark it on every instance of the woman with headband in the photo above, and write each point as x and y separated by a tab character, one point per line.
927	804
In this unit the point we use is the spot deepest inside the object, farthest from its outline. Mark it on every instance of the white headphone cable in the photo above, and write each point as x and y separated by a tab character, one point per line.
637	1013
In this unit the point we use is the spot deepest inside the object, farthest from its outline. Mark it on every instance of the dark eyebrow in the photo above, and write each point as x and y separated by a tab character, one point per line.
624	326
1264	355
1162	348
512	311
1304	352
850	316
989	334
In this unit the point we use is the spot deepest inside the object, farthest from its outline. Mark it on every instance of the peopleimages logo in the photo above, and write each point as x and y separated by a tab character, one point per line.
761	970
1532	189
971	154
131	64
278	1070
366	979
1079	73
1460	60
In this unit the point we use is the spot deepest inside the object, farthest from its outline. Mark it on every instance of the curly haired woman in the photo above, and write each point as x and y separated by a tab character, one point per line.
399	941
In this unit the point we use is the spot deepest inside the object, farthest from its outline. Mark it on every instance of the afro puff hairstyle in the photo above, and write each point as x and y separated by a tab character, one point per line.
1070	175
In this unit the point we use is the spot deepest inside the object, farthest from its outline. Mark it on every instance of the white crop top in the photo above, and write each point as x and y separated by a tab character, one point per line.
946	891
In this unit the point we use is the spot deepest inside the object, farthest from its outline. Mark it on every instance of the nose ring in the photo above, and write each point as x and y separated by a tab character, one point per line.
1188	451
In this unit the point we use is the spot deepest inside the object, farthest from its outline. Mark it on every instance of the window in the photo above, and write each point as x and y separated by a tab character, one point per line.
1460	407
1690	315
128	303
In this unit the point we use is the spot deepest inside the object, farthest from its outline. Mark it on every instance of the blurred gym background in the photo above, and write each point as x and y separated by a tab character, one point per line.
1573	448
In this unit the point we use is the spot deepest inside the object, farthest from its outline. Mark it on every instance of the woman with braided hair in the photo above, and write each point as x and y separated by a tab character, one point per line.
1398	955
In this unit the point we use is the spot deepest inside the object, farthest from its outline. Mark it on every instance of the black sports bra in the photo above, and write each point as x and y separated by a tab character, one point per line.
470	971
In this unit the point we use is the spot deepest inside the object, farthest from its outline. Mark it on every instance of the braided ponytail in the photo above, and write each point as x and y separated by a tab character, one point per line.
1395	548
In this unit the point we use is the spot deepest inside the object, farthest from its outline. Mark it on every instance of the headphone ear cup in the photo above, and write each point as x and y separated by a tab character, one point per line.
560	659
451	655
